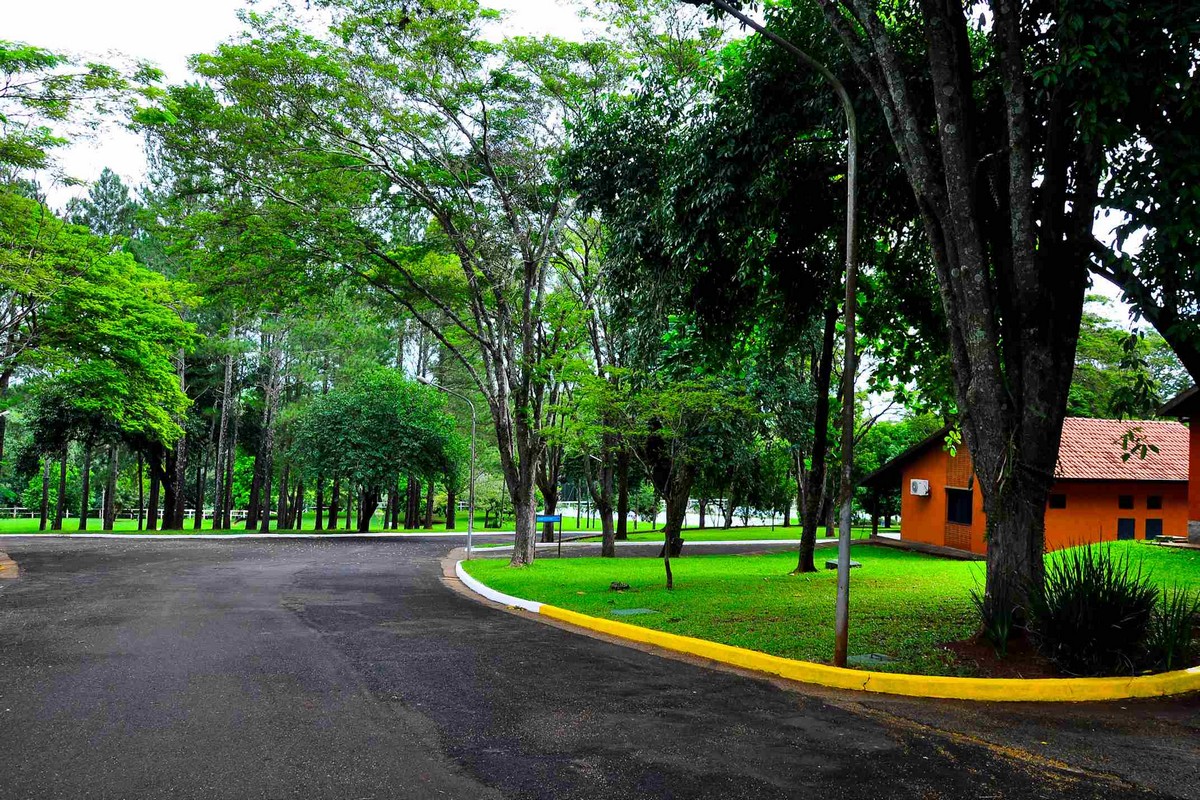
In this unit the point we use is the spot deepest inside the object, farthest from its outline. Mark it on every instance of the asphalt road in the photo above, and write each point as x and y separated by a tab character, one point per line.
348	670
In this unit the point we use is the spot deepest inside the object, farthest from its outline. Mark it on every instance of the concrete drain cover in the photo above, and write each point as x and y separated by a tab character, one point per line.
632	612
832	564
869	659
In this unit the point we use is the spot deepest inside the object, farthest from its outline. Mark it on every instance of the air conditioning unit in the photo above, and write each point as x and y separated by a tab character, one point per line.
918	487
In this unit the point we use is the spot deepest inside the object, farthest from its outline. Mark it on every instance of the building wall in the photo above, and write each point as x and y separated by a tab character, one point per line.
1090	515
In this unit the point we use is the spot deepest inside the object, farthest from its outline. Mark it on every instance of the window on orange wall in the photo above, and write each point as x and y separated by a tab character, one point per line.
1058	501
1124	501
1154	502
960	507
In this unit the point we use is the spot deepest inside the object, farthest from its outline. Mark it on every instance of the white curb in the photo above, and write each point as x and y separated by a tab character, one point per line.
492	594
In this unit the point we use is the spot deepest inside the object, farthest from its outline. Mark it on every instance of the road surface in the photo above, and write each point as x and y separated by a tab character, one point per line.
349	670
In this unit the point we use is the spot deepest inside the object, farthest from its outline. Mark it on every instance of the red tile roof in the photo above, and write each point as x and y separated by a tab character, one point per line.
1091	449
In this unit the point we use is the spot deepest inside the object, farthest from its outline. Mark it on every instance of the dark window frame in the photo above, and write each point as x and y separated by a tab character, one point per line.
1125	502
1154	502
1058	500
958	512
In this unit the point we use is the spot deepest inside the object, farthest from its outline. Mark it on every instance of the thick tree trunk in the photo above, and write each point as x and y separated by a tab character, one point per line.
366	511
389	510
429	493
451	506
60	507
525	521
45	509
85	479
255	501
110	490
814	479
730	508
264	521
349	505
675	500
702	507
622	532
395	496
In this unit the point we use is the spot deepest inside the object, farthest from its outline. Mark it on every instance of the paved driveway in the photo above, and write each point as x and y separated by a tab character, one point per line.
346	669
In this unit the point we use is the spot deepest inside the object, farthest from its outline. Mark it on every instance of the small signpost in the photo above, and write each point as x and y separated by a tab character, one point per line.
542	518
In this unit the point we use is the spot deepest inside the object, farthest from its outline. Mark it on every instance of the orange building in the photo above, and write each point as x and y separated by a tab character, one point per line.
1096	497
1186	405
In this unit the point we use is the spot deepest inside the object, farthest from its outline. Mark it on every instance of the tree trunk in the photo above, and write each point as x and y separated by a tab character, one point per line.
179	459
731	506
156	454
85	479
814	479
412	497
451	506
367	507
141	489
389	509
429	492
110	490
349	505
320	523
296	518
60	507
201	482
394	494
255	492
787	514
550	499
264	522
281	514
223	441
703	507
230	463
525	521
622	532
335	498
45	510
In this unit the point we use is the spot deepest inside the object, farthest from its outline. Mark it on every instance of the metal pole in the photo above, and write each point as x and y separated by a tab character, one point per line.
846	493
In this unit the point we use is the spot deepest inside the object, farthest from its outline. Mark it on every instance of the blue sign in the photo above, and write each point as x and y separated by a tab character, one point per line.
549	517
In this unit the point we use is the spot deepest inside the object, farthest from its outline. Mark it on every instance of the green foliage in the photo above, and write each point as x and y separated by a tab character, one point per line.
42	93
1172	637
1093	614
375	428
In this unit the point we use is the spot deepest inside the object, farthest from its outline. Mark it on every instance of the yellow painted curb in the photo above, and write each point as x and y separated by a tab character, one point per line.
994	689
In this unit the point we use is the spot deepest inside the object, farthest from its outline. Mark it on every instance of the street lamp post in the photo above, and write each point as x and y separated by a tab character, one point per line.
846	492
471	479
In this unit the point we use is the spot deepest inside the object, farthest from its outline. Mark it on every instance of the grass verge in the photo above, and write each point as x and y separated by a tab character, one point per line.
903	605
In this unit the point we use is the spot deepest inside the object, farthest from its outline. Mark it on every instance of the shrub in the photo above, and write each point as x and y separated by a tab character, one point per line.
1173	629
1094	612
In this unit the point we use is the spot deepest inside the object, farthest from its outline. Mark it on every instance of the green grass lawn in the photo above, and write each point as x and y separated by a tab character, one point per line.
735	534
29	526
902	604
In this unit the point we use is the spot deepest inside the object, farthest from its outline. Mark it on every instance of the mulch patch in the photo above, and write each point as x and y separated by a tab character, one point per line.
1021	660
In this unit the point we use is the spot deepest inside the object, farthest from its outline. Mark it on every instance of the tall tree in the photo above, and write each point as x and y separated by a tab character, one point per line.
418	121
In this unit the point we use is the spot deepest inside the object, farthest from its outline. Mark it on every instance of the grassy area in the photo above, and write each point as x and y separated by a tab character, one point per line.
30	526
736	534
902	604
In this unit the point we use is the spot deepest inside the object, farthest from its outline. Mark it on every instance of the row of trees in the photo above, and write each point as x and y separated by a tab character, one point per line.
626	249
